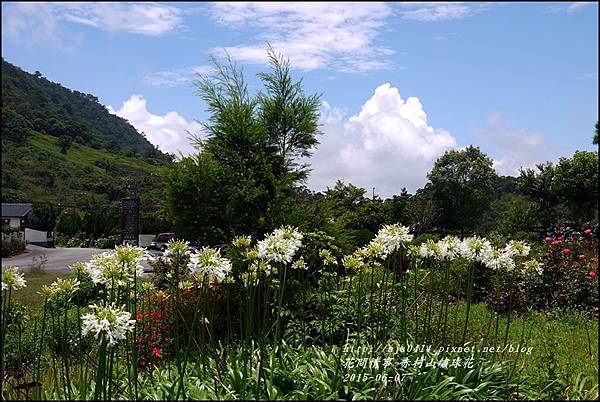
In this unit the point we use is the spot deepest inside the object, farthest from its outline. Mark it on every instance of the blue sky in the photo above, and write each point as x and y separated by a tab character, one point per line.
401	82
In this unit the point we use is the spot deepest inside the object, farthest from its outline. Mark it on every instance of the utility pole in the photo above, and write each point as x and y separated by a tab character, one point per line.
373	193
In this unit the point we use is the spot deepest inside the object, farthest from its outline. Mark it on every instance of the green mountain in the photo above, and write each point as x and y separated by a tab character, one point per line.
61	146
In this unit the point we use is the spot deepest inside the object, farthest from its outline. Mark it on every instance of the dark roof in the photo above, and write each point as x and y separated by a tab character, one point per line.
15	210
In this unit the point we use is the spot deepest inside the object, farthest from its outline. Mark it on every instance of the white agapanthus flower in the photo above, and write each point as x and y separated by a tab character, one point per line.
450	247
116	268
391	237
60	289
352	262
299	264
498	259
112	321
518	248
12	279
242	241
208	263
432	249
533	265
328	258
177	247
475	248
281	245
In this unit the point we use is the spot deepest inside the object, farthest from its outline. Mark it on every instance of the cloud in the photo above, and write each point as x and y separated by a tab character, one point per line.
518	148
387	145
569	7
336	36
175	77
169	132
33	24
46	23
439	11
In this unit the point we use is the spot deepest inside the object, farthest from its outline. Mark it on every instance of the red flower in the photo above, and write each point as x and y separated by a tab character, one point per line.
587	231
581	257
157	352
566	251
560	238
592	275
548	239
555	242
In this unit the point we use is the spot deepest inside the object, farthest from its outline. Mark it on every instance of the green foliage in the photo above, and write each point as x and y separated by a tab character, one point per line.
69	222
247	167
463	185
576	183
12	246
512	214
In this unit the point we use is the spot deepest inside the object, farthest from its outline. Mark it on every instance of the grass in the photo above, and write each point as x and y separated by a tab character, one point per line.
85	156
29	296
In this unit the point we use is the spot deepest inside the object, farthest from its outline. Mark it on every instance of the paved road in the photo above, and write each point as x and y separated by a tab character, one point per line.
59	258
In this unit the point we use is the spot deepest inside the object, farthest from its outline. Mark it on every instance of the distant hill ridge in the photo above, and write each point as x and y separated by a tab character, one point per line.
32	101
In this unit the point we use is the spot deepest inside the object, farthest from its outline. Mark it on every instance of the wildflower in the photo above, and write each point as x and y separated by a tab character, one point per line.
581	257
592	274
587	231
12	279
281	245
549	239
556	242
209	263
113	322
328	258
157	352
300	264
518	248
242	241
566	251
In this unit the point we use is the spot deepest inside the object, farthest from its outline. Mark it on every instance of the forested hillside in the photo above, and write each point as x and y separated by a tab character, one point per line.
62	148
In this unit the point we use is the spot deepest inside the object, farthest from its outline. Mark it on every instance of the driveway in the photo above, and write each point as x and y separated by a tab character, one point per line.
58	259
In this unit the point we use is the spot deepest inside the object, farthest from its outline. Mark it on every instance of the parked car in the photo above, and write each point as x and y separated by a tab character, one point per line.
160	241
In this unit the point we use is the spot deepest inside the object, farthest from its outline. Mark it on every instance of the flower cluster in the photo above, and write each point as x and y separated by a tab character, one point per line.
113	322
61	289
242	241
12	279
208	263
116	268
281	245
177	248
390	238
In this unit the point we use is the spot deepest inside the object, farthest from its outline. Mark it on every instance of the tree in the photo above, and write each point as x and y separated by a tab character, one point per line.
69	222
595	141
463	185
538	186
247	167
576	183
64	143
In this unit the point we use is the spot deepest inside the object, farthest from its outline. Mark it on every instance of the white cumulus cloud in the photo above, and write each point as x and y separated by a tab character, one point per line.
388	145
337	36
169	132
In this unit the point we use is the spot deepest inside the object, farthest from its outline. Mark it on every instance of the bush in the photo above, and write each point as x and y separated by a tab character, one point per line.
107	242
13	246
78	240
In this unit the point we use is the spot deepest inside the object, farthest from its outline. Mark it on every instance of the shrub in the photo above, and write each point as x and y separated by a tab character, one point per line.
107	242
12	246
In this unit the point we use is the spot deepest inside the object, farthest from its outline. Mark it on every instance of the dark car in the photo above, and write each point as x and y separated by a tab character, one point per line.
160	241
